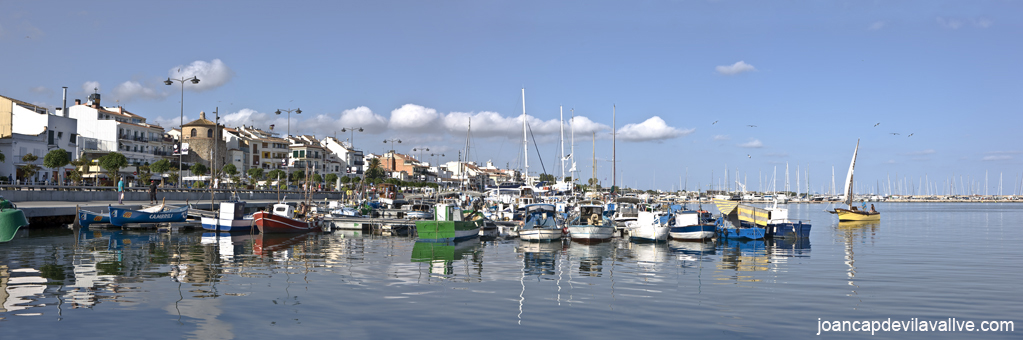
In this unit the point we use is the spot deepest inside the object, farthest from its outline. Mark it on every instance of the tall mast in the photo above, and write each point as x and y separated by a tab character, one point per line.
595	156
561	110
525	145
614	151
571	155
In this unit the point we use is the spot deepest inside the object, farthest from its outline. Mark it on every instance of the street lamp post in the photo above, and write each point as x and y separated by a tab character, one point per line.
421	156
297	111
351	141
181	121
392	151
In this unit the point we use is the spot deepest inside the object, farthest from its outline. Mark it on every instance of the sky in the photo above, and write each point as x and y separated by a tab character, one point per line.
931	90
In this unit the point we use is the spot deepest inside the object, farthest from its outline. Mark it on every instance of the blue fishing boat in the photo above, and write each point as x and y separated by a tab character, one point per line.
85	218
728	229
155	214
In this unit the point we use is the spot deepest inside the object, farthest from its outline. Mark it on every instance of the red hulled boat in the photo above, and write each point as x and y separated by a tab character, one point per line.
282	220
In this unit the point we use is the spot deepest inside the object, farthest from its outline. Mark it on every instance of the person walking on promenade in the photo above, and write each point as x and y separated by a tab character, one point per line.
120	191
152	192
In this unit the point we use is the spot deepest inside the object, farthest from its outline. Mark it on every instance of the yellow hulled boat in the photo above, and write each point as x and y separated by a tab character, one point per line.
854	214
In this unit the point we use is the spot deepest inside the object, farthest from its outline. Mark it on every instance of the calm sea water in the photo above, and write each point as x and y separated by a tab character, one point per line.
925	261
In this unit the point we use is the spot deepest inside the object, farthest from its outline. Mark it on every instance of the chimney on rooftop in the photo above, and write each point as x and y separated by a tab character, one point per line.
63	109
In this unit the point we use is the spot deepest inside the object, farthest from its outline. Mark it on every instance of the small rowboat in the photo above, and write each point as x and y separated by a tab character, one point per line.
85	218
155	214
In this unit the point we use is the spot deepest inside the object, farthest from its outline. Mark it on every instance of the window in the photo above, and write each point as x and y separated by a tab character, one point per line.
73	138
294	154
209	133
301	153
194	133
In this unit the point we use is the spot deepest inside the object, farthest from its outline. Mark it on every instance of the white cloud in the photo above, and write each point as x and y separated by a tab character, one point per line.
413	117
722	137
211	74
130	90
983	22
920	153
363	117
250	117
169	122
584	125
999	155
653	129
877	25
42	90
950	23
752	143
484	124
733	69
91	86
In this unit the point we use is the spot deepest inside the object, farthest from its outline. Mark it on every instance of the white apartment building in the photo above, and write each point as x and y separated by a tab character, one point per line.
26	128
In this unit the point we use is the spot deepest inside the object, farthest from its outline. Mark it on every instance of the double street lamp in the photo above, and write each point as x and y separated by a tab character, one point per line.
351	141
181	123
297	111
392	151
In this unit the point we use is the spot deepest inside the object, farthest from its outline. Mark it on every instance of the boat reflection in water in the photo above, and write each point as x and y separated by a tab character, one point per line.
689	253
441	257
538	258
591	256
279	244
851	233
742	255
230	245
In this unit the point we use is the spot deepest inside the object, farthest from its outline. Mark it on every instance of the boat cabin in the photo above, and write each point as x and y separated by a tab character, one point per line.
591	214
447	212
282	209
539	216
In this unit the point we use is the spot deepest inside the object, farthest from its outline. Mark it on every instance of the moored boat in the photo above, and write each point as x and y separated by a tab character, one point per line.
86	218
775	221
691	225
284	220
735	230
540	223
155	214
650	226
231	217
11	219
590	224
450	223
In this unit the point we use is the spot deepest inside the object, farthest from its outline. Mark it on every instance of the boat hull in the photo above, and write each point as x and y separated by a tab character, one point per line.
447	231
797	229
540	234
649	233
692	232
226	225
85	218
119	216
10	221
849	215
590	232
270	223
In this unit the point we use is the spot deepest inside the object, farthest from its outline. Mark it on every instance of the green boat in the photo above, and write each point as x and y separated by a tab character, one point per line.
11	219
450	224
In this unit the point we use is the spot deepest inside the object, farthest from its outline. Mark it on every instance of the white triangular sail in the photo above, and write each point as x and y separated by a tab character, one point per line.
849	177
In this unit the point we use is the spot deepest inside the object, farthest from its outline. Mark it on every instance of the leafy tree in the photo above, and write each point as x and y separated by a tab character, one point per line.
173	177
56	158
298	175
112	163
546	177
3	158
593	182
256	174
160	166
568	179
345	180
276	174
230	170
317	178
29	169
331	179
198	169
145	173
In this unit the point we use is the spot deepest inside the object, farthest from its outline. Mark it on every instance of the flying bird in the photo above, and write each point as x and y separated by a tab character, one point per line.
751	125
748	156
875	125
715	122
894	133
910	135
